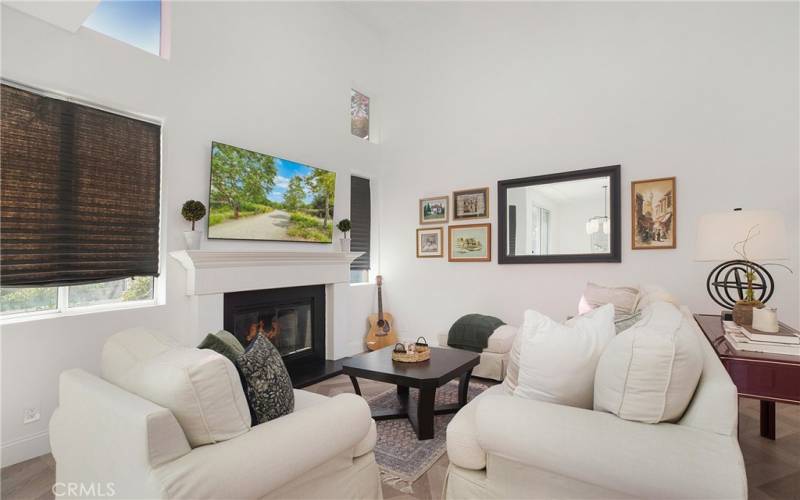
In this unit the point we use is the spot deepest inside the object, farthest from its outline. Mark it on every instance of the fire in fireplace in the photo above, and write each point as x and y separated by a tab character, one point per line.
293	319
288	327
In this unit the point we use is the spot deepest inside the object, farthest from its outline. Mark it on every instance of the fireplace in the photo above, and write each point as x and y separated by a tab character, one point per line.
293	319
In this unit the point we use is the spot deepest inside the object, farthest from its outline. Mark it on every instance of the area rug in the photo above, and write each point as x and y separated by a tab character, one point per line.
401	457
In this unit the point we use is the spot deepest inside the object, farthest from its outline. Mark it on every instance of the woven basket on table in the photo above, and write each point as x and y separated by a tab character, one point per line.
421	352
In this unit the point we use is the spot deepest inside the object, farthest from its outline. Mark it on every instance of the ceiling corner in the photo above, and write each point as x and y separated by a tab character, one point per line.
66	15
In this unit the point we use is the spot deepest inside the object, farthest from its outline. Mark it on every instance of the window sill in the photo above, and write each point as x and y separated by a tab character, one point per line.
363	283
76	311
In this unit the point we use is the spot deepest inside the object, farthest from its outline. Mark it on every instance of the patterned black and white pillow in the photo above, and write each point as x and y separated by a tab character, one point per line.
269	388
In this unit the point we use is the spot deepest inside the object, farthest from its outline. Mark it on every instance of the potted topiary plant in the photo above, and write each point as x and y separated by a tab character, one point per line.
344	226
193	211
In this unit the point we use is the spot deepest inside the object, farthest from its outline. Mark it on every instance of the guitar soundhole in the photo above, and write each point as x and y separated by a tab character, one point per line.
383	328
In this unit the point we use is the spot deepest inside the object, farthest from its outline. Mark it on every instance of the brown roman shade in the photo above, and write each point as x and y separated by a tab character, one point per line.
79	193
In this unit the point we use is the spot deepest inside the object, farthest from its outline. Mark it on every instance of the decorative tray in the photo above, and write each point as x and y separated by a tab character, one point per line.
412	353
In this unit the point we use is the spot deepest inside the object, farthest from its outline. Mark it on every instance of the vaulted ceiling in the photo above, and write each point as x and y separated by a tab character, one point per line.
67	15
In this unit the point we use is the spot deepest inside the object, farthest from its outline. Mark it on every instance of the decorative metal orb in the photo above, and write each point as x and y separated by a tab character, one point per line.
727	283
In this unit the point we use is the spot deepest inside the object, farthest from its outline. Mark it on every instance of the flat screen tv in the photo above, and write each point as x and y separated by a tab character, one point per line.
255	196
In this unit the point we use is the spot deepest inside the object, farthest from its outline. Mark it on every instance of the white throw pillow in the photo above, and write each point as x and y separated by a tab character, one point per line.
557	361
512	370
650	294
199	386
624	298
649	372
127	348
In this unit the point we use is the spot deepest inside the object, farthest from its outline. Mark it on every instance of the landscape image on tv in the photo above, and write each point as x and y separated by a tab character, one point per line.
255	196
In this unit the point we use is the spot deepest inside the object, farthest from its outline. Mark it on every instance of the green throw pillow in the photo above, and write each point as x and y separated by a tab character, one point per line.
231	340
228	345
218	345
269	388
471	332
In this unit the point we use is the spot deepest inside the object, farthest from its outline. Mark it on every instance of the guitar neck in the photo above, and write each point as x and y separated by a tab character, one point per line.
380	304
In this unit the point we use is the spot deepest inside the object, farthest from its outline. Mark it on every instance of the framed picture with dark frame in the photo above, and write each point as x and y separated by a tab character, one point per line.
653	210
434	210
562	217
430	242
470	243
471	204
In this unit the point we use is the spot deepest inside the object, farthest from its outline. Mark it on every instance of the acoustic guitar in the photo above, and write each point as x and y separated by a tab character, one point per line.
381	333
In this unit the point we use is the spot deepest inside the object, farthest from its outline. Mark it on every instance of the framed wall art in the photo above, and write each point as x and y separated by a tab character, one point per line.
470	243
433	210
430	242
471	204
653	209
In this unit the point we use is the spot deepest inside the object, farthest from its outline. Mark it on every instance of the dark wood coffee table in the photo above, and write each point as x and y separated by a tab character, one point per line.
427	376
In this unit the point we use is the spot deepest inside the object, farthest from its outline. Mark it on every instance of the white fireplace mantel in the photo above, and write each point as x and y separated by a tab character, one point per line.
213	272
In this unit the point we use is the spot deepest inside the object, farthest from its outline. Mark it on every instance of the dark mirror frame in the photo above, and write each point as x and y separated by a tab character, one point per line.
613	172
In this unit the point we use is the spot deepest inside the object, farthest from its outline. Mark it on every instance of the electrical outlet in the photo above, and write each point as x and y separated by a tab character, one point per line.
31	415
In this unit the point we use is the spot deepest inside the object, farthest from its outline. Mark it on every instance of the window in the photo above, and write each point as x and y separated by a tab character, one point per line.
28	300
79	205
360	216
136	23
359	114
25	301
111	292
540	231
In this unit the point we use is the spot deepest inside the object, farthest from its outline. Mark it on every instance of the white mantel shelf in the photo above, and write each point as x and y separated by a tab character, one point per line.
215	272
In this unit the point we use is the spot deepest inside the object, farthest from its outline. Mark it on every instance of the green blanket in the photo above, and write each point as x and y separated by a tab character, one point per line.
471	332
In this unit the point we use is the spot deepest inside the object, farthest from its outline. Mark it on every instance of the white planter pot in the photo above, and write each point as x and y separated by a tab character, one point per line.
193	239
345	244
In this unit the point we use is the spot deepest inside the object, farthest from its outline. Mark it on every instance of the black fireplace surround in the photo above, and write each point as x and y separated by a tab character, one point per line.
293	319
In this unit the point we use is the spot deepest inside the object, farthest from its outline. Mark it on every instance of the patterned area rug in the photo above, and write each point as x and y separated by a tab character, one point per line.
401	456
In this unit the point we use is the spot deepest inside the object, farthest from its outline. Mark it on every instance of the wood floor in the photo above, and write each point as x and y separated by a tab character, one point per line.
773	467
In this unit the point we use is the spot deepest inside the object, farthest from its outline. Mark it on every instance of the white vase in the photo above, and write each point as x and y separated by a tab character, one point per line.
193	239
345	244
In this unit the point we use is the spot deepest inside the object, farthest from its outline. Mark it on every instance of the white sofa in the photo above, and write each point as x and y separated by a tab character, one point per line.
501	446
105	436
494	359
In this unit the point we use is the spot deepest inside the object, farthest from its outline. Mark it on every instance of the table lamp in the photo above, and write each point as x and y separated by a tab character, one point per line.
739	238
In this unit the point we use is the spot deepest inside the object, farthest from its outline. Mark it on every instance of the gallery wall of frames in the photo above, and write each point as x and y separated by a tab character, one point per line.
466	242
454	224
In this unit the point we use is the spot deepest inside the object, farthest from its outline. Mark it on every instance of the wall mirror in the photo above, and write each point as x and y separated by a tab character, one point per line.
562	217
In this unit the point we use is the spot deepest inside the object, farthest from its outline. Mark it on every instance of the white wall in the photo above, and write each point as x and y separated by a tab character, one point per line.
269	77
478	93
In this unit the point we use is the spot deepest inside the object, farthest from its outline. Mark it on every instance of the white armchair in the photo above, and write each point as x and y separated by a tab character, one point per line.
105	436
494	359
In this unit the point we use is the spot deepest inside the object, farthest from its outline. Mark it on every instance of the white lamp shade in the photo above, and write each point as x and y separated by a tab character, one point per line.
718	234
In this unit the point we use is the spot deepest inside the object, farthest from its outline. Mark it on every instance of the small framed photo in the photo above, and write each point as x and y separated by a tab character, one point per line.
430	242
653	214
433	210
471	204
470	243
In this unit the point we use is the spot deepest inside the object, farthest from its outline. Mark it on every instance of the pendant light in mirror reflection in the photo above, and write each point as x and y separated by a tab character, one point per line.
598	227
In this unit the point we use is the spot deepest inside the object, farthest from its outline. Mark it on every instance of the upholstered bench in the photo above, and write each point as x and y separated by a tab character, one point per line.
494	359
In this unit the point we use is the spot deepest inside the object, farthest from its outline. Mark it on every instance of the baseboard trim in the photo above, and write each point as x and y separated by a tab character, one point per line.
24	448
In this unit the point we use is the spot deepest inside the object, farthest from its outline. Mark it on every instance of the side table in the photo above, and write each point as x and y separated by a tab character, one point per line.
769	378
